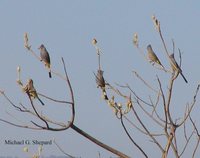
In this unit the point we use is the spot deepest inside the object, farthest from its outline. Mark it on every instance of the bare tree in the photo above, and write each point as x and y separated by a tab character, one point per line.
157	109
151	108
46	122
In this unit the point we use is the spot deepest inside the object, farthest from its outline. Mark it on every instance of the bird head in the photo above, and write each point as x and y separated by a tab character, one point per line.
30	81
149	47
172	55
41	46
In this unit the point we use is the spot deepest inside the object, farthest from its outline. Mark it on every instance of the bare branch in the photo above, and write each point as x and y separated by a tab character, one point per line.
186	144
191	106
71	92
198	140
17	125
47	125
148	114
145	83
140	130
141	150
149	134
58	146
55	100
114	151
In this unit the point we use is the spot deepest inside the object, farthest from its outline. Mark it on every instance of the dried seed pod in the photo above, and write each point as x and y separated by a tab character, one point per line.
94	41
156	22
135	39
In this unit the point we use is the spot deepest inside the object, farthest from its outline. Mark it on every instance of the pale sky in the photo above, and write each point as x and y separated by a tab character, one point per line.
66	28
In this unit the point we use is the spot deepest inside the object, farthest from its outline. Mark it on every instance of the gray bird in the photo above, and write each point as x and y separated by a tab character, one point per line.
176	67
101	82
44	55
152	56
100	79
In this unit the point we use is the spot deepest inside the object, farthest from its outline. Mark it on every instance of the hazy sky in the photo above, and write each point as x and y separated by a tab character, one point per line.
66	28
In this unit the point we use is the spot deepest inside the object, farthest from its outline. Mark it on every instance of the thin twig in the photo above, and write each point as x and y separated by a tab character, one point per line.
191	106
149	134
164	104
148	114
47	125
186	144
55	100
141	150
17	125
198	135
71	92
156	135
145	83
58	146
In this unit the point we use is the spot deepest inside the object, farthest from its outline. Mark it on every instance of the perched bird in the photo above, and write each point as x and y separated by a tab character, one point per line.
152	56
100	79
101	83
176	67
30	89
44	55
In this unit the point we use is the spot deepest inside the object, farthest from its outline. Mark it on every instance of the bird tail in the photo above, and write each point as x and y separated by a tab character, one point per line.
159	63
49	73
104	94
162	66
40	101
184	77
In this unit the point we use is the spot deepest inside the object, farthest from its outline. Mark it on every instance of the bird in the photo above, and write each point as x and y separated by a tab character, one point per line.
30	89
101	83
100	79
44	55
176	67
152	56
